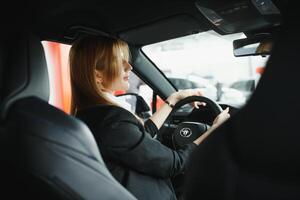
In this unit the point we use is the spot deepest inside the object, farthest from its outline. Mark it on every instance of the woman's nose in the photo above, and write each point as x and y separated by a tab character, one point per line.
128	66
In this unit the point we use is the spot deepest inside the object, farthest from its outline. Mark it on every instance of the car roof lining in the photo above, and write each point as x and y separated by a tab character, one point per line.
164	29
53	20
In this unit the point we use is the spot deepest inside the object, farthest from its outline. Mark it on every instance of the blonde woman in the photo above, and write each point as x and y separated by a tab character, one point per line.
99	66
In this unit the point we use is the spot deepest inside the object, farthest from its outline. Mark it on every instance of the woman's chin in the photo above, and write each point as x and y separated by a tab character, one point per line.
125	86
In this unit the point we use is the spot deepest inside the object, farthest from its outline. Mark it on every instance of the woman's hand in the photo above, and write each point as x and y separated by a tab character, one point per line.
177	96
161	114
221	118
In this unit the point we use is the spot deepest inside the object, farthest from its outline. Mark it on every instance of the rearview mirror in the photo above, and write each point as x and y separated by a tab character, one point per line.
256	45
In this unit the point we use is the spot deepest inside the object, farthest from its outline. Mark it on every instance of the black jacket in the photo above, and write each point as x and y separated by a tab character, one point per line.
140	163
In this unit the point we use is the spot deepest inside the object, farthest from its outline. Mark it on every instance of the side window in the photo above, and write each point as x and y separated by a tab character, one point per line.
59	77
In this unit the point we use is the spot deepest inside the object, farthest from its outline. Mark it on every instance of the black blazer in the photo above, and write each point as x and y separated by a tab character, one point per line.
140	163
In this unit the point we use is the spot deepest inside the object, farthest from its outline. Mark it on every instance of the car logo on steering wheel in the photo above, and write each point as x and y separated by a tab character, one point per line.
185	132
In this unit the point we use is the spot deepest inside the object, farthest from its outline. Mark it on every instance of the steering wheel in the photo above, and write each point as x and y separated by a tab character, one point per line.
186	132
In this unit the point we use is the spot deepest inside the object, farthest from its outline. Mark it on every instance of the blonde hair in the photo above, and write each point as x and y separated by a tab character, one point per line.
87	55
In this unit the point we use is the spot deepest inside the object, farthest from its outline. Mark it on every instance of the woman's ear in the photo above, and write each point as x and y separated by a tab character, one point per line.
98	77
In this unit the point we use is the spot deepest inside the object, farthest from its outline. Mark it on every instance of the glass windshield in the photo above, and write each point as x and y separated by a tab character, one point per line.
206	60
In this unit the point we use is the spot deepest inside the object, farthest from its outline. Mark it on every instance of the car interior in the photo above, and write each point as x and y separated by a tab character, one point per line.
48	148
48	154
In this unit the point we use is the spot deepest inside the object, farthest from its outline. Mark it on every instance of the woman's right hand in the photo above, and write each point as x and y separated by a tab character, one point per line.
221	118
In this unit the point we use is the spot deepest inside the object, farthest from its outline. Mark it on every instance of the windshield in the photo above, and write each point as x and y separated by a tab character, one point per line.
206	60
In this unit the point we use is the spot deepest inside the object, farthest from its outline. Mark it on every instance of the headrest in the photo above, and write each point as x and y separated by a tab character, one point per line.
24	70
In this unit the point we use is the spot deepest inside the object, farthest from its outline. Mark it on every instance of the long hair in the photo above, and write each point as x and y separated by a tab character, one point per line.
87	55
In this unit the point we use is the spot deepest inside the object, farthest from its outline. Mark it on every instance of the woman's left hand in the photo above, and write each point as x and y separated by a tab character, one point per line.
177	96
161	114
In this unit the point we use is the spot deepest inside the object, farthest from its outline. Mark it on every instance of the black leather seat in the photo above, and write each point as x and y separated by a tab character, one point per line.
256	154
45	153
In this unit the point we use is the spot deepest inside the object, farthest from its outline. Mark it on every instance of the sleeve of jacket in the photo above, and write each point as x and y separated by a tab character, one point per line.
151	127
128	142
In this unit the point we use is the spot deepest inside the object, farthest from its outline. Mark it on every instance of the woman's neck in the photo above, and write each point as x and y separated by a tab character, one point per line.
111	92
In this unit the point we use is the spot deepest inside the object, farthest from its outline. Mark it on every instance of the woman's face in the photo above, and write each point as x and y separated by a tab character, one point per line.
122	81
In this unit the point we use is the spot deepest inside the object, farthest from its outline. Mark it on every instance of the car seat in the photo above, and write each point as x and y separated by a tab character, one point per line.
45	154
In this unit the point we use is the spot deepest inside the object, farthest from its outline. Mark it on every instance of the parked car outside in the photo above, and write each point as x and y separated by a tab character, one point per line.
208	89
246	86
232	97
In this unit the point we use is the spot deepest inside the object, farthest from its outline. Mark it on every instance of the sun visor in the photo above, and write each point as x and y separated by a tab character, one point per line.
169	28
240	15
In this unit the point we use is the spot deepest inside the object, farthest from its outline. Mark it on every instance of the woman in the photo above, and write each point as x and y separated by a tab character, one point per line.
99	66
